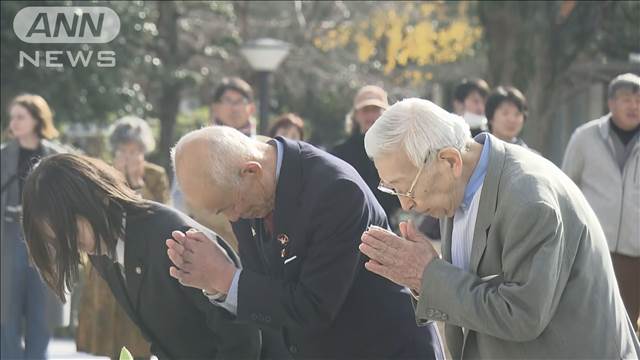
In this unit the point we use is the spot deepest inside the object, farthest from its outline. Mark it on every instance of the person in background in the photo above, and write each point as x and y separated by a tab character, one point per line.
506	110
103	325
289	125
76	206
368	104
469	97
603	159
29	309
232	105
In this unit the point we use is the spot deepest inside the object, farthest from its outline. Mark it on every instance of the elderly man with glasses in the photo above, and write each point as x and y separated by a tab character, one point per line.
525	271
298	214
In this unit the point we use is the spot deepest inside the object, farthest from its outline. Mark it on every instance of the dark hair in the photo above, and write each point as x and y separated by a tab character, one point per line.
503	94
626	81
467	86
236	84
37	106
60	189
286	121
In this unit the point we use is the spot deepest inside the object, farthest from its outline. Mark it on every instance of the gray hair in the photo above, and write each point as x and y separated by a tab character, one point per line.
627	81
418	126
227	148
132	129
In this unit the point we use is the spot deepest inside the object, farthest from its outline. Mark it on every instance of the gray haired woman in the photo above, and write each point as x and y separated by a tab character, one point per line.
103	326
131	139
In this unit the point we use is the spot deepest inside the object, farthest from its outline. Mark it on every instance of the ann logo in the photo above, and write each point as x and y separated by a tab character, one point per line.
66	24
41	25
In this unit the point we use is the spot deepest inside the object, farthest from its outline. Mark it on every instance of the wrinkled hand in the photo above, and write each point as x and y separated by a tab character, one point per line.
401	260
200	262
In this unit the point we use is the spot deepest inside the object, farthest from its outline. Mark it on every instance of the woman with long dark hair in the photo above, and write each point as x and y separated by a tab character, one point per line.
74	204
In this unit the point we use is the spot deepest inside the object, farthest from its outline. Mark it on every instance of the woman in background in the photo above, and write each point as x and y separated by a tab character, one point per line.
288	125
506	110
103	326
29	309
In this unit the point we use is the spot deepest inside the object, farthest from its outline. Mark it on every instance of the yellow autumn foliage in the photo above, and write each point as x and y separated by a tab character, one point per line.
416	35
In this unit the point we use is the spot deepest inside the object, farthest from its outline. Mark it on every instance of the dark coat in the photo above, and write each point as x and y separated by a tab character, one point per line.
352	151
322	301
11	196
178	321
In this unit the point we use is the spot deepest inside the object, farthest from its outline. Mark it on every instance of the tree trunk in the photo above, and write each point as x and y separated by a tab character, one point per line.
170	101
168	53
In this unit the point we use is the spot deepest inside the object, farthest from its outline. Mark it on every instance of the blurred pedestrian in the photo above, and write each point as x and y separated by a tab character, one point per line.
469	98
233	105
103	325
29	309
289	125
506	111
369	103
76	206
525	270
603	159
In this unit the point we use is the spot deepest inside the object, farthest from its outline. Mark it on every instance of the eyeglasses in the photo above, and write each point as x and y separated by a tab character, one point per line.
409	194
231	102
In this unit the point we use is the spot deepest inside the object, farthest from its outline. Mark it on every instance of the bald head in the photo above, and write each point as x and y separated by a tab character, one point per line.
214	153
210	161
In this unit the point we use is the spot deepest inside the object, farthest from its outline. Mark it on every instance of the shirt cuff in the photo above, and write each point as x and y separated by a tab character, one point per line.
230	302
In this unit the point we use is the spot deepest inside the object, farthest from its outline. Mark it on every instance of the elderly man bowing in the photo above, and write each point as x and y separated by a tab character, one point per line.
298	214
526	271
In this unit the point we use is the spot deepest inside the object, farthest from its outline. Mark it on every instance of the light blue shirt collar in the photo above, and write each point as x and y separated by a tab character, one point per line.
280	154
477	178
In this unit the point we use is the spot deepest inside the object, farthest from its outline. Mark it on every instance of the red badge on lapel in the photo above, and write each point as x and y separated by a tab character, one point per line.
284	240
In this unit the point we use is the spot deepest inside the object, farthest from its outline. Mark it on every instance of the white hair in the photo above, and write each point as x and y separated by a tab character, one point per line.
132	129
418	126
227	149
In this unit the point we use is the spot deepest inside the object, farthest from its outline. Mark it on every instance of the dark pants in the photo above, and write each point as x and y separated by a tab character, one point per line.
27	303
627	270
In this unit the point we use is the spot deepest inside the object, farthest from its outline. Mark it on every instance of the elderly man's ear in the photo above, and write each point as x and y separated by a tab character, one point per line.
453	159
250	168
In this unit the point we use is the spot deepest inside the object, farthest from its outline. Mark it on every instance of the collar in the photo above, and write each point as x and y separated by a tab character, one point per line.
120	243
280	156
477	178
249	129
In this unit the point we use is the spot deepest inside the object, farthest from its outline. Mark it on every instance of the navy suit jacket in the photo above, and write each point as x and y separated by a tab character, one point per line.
307	282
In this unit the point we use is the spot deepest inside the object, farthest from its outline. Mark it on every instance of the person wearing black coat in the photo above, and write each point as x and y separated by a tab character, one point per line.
74	204
368	105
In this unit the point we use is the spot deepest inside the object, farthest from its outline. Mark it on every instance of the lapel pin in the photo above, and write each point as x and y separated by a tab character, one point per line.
283	239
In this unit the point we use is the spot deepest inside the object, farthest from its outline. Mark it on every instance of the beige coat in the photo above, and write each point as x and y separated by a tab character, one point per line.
554	294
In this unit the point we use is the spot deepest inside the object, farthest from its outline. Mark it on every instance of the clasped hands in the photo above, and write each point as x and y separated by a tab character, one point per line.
399	259
200	262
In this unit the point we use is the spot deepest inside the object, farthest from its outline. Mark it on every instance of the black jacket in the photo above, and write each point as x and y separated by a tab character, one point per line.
353	152
323	302
178	321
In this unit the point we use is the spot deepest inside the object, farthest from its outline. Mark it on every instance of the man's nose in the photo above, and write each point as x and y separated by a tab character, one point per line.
406	203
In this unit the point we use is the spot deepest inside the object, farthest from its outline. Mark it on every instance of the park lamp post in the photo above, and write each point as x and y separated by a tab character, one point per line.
264	55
